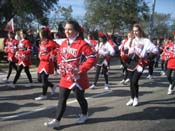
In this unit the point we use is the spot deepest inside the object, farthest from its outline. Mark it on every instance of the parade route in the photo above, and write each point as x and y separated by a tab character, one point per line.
107	109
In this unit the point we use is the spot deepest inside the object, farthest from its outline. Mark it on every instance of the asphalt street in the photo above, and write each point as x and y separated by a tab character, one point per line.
107	109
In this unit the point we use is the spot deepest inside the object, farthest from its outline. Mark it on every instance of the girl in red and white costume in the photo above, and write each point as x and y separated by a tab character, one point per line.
11	48
23	56
164	57
139	52
170	66
47	56
75	59
104	52
124	47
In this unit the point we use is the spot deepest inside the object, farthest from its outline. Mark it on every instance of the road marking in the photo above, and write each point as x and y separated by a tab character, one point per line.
50	107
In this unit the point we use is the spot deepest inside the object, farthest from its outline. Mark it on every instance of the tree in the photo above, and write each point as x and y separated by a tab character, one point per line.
173	26
115	15
161	27
25	11
59	16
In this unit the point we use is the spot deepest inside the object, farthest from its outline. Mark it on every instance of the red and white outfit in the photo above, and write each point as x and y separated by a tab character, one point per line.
166	54
141	47
24	53
169	51
75	59
170	55
11	48
125	45
47	56
104	52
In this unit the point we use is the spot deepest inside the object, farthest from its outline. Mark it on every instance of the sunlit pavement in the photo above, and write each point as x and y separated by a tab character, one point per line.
107	109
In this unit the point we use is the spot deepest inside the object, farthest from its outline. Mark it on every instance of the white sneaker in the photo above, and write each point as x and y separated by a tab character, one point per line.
149	77
82	119
42	97
107	87
92	86
122	81
53	123
53	90
121	67
130	102
126	81
162	73
28	85
11	85
170	91
135	102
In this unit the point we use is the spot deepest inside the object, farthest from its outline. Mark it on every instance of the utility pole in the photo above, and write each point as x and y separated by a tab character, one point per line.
152	18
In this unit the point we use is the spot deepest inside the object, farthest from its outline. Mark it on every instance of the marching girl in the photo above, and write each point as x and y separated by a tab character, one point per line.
73	71
141	48
23	56
104	51
170	53
11	48
159	47
47	55
114	46
164	57
152	62
124	47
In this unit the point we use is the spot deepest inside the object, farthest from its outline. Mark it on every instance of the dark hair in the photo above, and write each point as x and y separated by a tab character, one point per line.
171	38
25	33
45	32
76	27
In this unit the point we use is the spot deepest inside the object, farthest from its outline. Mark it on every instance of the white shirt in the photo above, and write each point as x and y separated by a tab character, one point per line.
105	49
142	46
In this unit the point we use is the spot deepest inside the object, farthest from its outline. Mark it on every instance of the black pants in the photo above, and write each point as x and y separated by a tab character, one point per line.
43	77
125	71
19	70
171	78
11	66
157	61
134	79
163	65
63	96
105	73
151	67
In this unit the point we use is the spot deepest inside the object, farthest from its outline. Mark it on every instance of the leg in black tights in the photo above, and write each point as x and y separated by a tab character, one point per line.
134	87
45	82
79	94
29	76
98	68
63	96
18	73
105	71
